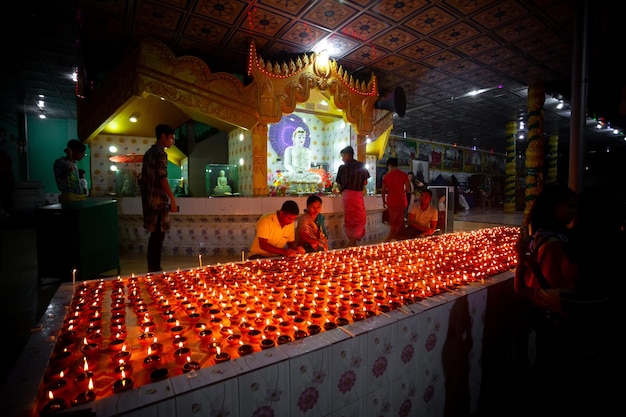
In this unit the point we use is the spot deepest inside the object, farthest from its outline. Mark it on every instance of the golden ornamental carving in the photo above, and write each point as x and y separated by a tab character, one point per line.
282	86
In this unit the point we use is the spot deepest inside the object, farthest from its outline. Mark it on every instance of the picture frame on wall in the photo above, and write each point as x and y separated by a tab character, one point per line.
421	171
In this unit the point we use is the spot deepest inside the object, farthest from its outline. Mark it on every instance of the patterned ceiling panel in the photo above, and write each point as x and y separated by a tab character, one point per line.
329	14
455	34
442	59
521	29
477	45
461	67
495	55
366	55
264	22
397	10
223	11
341	45
205	31
413	71
500	14
430	20
159	16
433	49
390	63
304	35
293	7
394	39
420	49
365	27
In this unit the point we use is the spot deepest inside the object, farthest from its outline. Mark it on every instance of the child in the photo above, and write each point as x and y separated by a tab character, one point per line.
83	182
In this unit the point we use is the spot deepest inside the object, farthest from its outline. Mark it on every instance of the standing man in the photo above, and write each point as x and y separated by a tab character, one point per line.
352	178
157	199
66	172
396	186
276	234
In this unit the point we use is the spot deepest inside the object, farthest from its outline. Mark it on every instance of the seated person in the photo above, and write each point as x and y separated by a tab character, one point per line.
276	234
222	186
422	216
311	230
298	160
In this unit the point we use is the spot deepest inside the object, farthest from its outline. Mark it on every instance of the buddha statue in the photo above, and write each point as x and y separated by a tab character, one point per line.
298	160
222	186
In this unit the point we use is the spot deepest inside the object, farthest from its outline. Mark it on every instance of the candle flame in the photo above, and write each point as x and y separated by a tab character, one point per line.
90	386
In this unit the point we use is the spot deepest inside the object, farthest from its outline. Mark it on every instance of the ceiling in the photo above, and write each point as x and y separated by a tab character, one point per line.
437	51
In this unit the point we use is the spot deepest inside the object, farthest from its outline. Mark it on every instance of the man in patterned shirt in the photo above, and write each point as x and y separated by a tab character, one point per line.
352	178
157	198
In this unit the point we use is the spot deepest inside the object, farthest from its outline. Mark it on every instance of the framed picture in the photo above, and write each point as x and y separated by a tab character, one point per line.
420	170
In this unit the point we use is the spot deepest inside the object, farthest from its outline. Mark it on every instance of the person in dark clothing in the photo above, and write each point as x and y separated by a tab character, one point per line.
157	198
352	178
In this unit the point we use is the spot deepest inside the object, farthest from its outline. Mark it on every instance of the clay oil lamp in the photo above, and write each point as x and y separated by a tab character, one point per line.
123	384
244	350
176	330
82	379
180	354
123	356
190	365
283	338
267	344
152	361
205	335
58	385
221	356
89	350
53	405
234	339
86	396
156	347
146	337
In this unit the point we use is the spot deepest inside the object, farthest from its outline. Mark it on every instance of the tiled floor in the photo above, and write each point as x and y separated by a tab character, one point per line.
23	302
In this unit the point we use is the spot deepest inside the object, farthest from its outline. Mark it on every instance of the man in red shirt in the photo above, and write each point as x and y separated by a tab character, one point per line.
395	187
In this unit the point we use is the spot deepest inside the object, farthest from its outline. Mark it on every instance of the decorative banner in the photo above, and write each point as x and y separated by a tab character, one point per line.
281	133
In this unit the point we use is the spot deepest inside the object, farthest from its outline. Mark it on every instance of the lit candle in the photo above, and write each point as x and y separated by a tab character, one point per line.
221	356
181	354
82	379
53	405
89	349
122	384
57	385
85	396
123	356
190	365
151	361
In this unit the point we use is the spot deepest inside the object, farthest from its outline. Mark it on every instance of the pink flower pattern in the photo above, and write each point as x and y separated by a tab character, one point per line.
407	353
380	366
308	398
431	342
346	381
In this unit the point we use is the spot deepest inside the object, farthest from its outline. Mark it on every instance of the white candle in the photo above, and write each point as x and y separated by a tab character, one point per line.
200	260
74	277
243	255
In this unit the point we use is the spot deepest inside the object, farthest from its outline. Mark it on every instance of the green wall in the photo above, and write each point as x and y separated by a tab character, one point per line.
46	141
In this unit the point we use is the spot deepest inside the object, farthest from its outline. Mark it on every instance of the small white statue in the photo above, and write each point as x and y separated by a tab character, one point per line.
222	186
